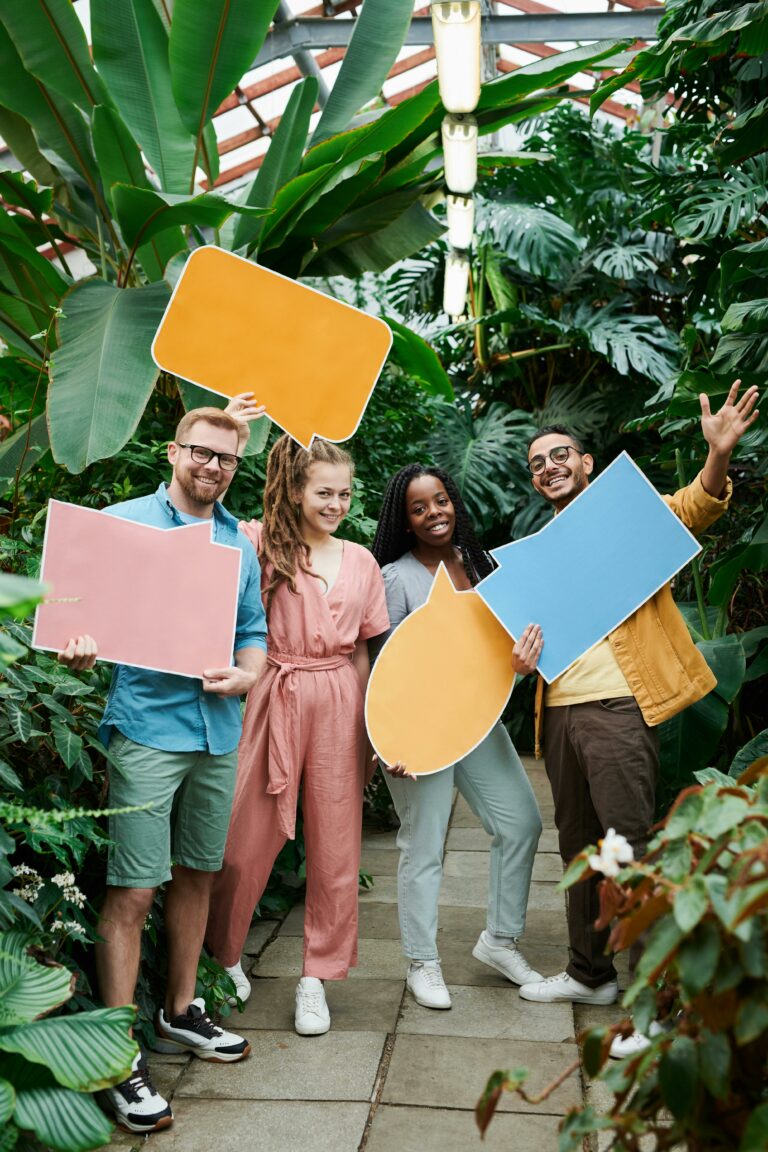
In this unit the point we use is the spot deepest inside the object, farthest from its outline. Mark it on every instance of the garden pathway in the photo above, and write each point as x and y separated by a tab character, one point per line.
391	1076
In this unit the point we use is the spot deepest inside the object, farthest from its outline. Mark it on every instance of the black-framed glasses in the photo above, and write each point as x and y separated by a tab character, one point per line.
557	455
228	462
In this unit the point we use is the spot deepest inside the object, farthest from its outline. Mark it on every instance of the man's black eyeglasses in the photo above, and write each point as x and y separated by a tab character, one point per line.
228	462
557	455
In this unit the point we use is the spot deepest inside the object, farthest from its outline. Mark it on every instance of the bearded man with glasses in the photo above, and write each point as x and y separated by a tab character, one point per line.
173	742
599	720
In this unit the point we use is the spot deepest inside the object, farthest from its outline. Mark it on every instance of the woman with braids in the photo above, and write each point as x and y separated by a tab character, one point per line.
303	721
424	523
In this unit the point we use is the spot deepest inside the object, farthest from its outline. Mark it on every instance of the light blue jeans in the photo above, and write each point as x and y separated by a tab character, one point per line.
494	784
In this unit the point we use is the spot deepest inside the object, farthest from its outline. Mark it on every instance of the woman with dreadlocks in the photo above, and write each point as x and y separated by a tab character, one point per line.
304	721
424	523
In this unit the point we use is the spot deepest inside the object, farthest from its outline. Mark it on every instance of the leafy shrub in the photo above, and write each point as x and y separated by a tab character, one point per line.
700	900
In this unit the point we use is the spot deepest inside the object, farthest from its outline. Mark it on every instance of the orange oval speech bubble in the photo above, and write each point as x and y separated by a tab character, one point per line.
441	682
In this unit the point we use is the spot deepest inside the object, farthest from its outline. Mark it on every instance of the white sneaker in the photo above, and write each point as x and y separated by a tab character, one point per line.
635	1043
136	1103
425	981
312	1015
195	1032
507	959
241	982
564	987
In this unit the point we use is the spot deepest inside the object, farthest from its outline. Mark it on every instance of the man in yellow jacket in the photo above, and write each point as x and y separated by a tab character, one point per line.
599	719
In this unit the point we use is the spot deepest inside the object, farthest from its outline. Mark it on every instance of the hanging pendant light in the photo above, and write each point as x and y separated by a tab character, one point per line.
461	220
457	31
459	135
456	283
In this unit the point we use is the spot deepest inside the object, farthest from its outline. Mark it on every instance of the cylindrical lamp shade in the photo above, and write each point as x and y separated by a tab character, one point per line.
461	220
456	28
456	283
460	153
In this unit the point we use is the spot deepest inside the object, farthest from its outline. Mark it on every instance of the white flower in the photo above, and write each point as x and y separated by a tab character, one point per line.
30	890
68	927
615	851
63	879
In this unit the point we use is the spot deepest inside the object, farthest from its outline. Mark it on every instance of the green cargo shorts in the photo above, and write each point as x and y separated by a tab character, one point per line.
191	797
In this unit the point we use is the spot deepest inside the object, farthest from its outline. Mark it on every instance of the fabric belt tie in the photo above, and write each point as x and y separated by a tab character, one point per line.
284	712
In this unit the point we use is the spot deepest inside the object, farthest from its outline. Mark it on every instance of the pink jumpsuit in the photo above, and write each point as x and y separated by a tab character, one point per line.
304	724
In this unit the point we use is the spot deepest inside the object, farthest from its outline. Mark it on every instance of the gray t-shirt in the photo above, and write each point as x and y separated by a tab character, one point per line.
407	584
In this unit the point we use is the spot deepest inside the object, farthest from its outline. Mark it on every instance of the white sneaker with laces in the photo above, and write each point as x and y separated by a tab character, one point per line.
635	1043
241	982
195	1032
564	987
312	1016
425	981
507	959
136	1103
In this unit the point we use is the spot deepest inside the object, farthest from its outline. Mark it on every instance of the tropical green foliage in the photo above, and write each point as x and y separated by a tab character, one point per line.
700	899
349	202
50	1065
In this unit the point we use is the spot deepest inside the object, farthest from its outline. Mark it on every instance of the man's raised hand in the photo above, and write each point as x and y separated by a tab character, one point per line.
723	429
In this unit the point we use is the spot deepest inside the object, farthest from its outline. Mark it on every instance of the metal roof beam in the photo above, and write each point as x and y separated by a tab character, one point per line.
315	32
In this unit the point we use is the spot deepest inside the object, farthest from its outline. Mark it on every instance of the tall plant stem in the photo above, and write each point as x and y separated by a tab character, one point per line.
28	437
695	566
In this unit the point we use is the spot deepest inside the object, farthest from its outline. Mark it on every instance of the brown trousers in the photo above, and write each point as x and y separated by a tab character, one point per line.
602	760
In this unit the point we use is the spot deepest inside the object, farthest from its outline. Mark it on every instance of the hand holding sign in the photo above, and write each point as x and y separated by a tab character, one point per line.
590	567
441	682
311	360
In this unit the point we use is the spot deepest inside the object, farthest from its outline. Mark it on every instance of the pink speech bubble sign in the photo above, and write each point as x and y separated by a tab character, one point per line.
161	599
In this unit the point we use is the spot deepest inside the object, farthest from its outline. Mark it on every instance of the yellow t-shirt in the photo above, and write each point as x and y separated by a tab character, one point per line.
595	676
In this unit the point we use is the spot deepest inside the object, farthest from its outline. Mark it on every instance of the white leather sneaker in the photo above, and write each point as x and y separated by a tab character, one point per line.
241	982
195	1032
136	1103
425	981
564	987
507	959
312	1016
635	1043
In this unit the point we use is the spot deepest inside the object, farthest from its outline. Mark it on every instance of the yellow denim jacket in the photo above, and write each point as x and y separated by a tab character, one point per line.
653	648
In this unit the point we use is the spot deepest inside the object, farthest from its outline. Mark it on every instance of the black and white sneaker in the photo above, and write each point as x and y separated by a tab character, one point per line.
136	1103
195	1032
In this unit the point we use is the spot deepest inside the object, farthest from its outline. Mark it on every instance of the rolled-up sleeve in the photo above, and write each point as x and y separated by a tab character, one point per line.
251	628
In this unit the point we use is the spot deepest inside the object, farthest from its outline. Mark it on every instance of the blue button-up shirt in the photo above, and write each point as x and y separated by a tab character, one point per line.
170	712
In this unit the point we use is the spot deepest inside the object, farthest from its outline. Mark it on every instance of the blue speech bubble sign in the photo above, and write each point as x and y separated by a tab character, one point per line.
590	567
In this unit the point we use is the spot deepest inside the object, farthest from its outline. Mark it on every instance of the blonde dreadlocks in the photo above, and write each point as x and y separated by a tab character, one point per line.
282	545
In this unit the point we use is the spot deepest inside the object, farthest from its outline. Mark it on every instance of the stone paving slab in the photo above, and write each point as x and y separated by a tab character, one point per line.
547	867
461	967
379	861
464	892
377	959
284	1066
478	840
464	817
452	1071
380	922
379	838
354	1005
269	1125
258	935
376	921
402	1129
496	1013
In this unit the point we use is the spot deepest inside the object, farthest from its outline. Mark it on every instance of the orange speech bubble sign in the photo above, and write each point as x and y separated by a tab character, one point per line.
441	682
232	326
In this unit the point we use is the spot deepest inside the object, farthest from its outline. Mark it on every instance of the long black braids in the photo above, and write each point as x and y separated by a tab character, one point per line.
392	539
